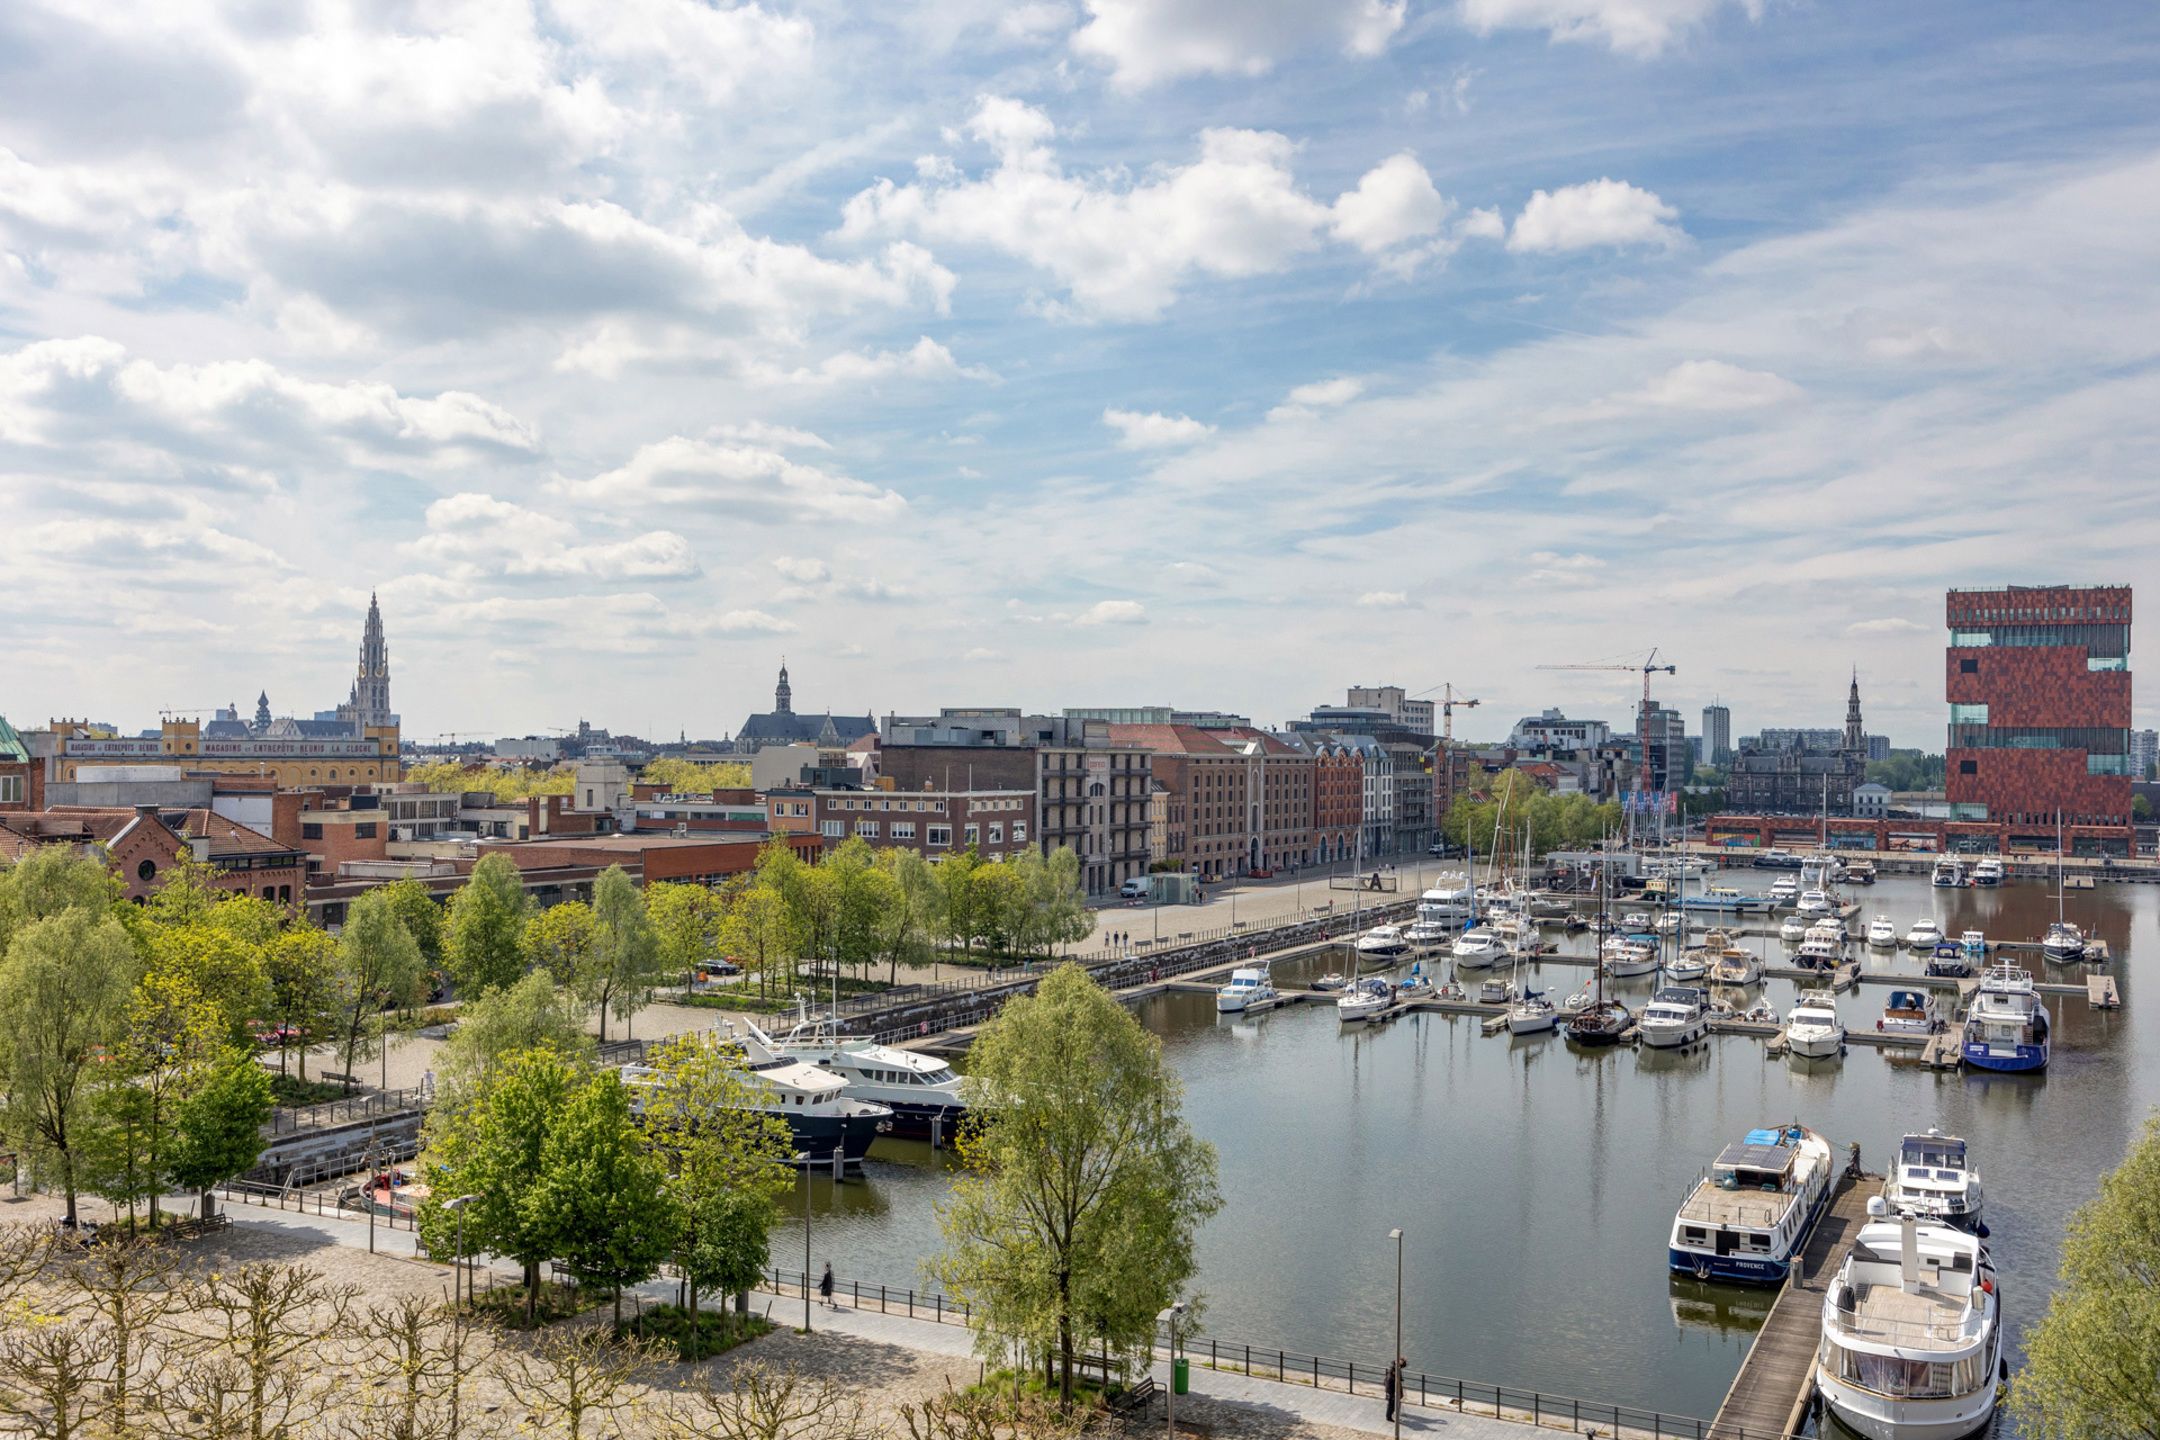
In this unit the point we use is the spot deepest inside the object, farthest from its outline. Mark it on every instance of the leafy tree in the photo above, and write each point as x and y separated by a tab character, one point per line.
760	932
559	941
50	879
492	1148
2092	1364
301	972
958	904
226	969
911	910
729	1162
1082	1187
855	896
1907	770
687	777
534	1014
217	1132
806	892
998	905
503	782
421	916
170	1034
599	1192
250	919
1048	901
688	920
378	967
186	893
482	943
2141	809
64	985
624	965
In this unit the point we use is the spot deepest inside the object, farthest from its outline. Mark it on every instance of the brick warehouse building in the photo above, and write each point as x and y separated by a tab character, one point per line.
2038	683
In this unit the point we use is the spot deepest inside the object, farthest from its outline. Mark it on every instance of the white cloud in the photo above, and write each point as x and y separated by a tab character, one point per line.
1643	28
470	535
1551	568
926	359
749	482
981	653
1714	385
1139	430
802	569
1146	42
1603	212
1318	395
1394	201
1384	600
1113	612
1888	625
751	622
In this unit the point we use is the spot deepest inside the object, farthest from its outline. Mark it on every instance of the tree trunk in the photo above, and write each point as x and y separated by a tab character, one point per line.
209	1203
1065	1339
532	1289
695	1348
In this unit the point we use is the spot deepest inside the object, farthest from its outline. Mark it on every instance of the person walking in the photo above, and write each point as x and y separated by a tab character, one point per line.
825	1289
1394	1387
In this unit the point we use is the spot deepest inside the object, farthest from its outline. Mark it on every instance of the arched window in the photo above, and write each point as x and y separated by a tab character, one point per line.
147	871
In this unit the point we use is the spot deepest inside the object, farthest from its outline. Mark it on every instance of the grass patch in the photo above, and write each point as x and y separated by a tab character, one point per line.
292	1090
506	1304
1001	1384
718	1330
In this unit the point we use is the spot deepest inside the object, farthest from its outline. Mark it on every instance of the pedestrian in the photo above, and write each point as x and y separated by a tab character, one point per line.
825	1289
1394	1387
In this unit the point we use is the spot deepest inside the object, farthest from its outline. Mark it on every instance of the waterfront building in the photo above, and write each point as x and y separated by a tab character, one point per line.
1801	771
22	778
1210	787
2038	683
1716	733
782	725
1158	715
934	821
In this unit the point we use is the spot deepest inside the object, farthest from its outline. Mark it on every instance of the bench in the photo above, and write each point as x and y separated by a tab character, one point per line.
1135	1397
196	1226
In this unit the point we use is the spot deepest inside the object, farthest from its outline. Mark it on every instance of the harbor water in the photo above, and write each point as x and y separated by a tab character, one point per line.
1536	1181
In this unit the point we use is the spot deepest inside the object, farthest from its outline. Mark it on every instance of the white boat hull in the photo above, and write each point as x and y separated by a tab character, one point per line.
1532	1023
1815	1044
1879	1417
1629	969
1357	1012
1672	1037
1477	959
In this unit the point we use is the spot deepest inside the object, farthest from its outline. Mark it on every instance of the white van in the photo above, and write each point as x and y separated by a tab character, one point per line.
1134	889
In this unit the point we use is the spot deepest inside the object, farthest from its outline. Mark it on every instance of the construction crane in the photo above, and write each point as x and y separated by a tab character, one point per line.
1448	703
1646	669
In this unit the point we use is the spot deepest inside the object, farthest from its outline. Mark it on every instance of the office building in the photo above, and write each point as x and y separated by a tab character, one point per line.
1716	733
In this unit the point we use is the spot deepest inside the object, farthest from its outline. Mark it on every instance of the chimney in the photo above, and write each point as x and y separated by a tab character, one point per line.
1909	1251
200	844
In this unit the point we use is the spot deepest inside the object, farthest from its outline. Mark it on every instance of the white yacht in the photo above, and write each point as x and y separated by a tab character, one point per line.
1924	935
1750	1215
1882	933
1635	920
1812	1028
1249	986
1627	956
1792	930
1670	922
1426	936
1822	947
922	1091
1935	1180
1382	945
822	1119
1736	967
1911	1332
1478	947
1517	929
1911	1012
2007	1027
1448	902
1690	968
1677	1015
1987	871
1821	868
2064	943
1785	890
1949	874
1814	904
1365	1000
1531	1014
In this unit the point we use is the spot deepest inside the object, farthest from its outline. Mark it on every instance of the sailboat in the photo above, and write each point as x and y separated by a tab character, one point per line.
2064	943
1602	1021
1529	1012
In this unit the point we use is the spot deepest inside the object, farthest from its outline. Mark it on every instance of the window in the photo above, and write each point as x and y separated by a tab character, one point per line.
311	832
937	836
364	831
832	829
973	834
1968	666
997	833
1019	832
868	829
147	871
903	829
1969	714
1968	767
11	789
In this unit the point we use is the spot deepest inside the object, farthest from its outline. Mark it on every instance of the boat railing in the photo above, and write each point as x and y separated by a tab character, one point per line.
1947	1333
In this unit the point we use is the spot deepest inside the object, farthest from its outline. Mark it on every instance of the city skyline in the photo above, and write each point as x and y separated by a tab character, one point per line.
1046	355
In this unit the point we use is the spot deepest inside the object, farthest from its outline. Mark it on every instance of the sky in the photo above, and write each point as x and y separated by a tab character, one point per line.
1210	353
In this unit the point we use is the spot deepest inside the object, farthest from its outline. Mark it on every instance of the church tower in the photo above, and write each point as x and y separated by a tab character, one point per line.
1855	736
783	698
370	703
262	712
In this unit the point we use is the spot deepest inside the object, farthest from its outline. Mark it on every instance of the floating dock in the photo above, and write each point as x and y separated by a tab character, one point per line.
1770	1395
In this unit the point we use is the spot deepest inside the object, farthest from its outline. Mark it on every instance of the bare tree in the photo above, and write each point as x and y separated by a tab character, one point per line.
414	1362
132	1288
954	1416
206	1398
24	1251
761	1403
274	1322
578	1383
52	1378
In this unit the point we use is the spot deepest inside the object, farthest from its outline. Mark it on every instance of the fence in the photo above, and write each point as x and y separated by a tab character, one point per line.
365	1105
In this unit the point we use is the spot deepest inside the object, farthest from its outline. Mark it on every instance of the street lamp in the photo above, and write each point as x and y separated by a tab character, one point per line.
802	1160
1395	1364
1170	1317
457	1208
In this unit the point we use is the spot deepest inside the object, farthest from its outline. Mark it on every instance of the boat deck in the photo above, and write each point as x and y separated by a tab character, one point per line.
1759	1209
1928	1320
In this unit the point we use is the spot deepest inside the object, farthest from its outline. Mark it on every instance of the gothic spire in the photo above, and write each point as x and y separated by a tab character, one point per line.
1855	735
783	696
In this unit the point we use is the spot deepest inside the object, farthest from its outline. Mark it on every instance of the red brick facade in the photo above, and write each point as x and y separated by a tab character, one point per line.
1338	803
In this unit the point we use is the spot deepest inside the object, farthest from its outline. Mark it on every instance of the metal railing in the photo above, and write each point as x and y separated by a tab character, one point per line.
361	1105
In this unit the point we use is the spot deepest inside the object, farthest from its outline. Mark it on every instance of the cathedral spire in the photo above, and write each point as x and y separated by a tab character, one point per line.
1855	735
783	697
370	702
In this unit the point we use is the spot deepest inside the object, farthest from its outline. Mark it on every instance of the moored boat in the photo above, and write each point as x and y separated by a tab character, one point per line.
822	1119
2007	1026
1882	933
1676	1015
1366	1000
1382	945
1813	1030
1948	874
1249	986
1748	1217
922	1091
1624	957
1987	871
1911	1012
1934	1178
1925	934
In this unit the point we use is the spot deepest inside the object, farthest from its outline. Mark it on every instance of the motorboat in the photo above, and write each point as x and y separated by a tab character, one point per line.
1948	874
2064	943
1987	871
2007	1027
1785	890
1495	991
1912	1333
1924	935
1426	936
1333	980
1676	1015
1814	904
1934	1178
1451	899
1366	1000
1736	967
1859	872
1792	930
1911	1012
1690	968
1822	947
1670	923
1635	920
1624	957
1882	933
922	1091
1725	900
1676	867
1517	930
823	1120
1382	945
1973	946
1812	1028
1774	859
1531	1014
1947	961
1821	868
1478	947
1749	1216
1249	986
1543	906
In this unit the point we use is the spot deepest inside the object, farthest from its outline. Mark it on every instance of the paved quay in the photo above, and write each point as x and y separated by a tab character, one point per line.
1222	1403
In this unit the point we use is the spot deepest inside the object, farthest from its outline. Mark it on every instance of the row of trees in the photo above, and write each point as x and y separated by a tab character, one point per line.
510	782
608	953
1516	800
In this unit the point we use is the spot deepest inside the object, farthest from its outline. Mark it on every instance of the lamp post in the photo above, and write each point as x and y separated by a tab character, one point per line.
1170	1317
1395	1364
802	1159
457	1208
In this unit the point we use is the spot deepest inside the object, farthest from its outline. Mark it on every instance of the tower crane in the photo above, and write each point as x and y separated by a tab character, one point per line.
1646	668
1449	700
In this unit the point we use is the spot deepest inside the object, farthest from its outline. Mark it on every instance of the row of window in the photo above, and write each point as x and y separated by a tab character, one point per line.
2094	739
2113	640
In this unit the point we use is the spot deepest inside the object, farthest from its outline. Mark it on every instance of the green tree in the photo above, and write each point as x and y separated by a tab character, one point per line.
687	777
910	916
559	941
378	968
2140	809
482	944
421	916
217	1132
301	971
760	932
1049	901
998	906
1082	1188
50	879
856	896
169	1036
2092	1364
248	918
728	1160
226	969
64	986
534	1014
492	1148
185	894
957	901
624	965
688	920
599	1194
